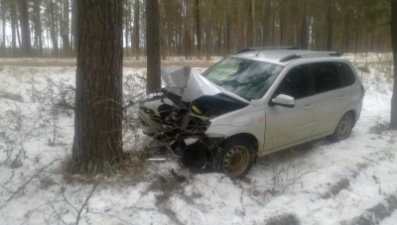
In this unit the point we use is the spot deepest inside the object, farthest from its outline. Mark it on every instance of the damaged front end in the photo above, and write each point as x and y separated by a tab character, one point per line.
180	115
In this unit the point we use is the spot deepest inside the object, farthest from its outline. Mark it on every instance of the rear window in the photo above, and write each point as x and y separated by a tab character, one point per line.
347	75
326	77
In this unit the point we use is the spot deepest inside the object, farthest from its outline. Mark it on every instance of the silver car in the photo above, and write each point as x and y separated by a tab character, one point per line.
253	103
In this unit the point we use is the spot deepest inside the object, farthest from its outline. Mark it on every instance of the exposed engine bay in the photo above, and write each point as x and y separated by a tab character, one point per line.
181	113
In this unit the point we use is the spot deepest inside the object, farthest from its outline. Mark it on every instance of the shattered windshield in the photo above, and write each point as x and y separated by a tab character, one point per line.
247	78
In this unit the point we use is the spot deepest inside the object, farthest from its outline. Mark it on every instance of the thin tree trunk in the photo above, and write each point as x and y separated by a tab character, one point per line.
3	19
136	28
186	29
14	28
267	26
74	24
208	34
241	19
393	30
153	46
163	45
65	27
198	27
53	28
250	23
346	32
283	17
37	28
329	25
25	31
227	28
303	39
97	142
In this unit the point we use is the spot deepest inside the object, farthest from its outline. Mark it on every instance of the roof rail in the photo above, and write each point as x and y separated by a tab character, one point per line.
267	48
310	54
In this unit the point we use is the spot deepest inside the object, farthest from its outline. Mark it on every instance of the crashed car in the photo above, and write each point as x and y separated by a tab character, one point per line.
253	103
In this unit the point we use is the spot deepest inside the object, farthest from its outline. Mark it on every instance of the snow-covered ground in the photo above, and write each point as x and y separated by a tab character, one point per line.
351	182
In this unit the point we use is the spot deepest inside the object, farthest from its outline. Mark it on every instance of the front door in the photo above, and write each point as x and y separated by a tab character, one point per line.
286	126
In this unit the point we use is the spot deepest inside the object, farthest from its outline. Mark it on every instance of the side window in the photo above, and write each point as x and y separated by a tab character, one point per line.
347	75
326	77
296	83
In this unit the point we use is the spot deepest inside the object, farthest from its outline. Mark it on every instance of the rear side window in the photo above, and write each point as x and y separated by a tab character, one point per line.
326	77
296	83
347	75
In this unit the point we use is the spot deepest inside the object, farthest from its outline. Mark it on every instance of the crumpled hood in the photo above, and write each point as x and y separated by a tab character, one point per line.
190	85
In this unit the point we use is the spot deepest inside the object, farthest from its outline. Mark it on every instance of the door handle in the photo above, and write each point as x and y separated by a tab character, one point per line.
307	107
342	97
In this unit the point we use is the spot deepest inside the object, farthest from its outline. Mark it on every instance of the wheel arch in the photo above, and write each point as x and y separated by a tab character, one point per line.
247	136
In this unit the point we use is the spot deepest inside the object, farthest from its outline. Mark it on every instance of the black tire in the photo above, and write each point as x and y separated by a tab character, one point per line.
235	158
343	129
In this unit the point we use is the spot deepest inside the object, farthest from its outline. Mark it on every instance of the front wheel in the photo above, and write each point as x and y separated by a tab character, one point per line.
343	129
235	158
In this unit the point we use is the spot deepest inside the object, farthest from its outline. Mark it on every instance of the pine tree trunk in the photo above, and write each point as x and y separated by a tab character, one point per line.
74	24
3	38
250	23
393	29
267	26
53	28
65	27
346	32
153	46
198	28
136	29
97	141
303	38
208	34
329	25
38	43
227	32
25	31
14	27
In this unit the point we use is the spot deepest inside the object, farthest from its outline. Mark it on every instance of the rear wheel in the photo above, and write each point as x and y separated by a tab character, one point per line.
343	129
235	158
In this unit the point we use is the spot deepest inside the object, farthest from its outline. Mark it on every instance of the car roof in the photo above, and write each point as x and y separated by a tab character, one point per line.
285	56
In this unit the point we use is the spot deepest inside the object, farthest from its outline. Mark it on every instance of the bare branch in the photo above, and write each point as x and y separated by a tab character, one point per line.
27	182
85	202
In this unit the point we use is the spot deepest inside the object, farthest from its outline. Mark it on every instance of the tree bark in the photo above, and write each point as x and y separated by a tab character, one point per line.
74	24
25	31
97	142
136	29
65	27
303	38
53	28
14	27
153	46
208	34
393	30
38	37
267	26
198	28
329	25
250	23
3	28
227	32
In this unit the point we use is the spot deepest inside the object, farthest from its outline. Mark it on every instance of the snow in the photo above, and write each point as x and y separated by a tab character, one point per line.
319	183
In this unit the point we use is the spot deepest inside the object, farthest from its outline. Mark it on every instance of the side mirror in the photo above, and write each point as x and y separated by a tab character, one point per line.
284	100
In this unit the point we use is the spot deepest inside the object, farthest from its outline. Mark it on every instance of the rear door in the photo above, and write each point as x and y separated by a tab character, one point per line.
286	126
330	98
